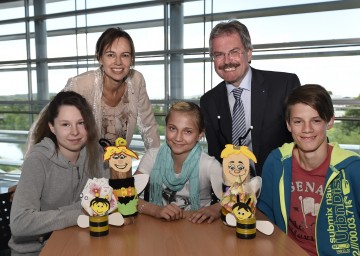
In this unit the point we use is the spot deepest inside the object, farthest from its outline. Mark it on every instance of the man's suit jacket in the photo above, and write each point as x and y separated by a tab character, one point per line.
268	93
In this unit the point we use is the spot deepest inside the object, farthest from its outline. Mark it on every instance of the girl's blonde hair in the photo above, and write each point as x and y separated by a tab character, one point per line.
113	150
230	149
188	107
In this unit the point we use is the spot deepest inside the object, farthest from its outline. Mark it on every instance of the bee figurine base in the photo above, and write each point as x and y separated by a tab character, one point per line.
99	225
246	228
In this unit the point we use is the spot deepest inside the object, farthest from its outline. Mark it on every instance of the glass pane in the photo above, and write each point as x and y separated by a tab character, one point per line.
9	29
18	51
154	78
59	77
65	6
347	138
194	80
14	121
14	83
97	3
72	45
160	111
230	6
12	10
61	23
194	7
10	153
320	71
123	16
141	38
195	37
13	135
309	27
63	46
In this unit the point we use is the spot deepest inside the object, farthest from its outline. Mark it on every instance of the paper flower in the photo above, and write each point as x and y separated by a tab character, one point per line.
97	197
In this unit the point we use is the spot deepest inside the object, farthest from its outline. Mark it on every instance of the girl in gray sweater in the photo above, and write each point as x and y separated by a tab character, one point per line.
54	173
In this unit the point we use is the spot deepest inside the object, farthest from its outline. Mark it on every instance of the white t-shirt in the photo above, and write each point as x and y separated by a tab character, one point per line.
210	176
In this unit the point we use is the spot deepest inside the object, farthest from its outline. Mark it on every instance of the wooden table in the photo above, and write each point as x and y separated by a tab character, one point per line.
150	236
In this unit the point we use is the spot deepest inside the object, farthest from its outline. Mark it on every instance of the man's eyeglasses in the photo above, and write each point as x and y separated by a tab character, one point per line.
234	54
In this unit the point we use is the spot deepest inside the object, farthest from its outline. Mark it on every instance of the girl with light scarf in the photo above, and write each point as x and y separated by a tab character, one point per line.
180	169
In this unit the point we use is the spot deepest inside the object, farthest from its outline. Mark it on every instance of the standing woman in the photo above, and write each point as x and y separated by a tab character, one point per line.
116	92
54	173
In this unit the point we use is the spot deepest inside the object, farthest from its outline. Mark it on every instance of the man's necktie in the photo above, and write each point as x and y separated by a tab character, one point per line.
238	118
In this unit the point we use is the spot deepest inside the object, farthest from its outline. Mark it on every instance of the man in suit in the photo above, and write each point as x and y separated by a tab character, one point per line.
263	95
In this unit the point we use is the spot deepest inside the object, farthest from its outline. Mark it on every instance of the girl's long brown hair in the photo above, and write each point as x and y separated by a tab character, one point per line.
70	98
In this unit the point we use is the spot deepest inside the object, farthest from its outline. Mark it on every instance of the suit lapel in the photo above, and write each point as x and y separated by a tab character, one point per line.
222	103
258	103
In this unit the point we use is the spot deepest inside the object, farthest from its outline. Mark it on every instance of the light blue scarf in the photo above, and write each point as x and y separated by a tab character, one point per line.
163	173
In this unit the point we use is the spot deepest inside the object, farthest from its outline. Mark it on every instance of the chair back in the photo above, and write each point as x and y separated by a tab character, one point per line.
5	207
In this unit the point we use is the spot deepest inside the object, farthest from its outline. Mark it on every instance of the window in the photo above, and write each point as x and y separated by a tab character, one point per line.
317	40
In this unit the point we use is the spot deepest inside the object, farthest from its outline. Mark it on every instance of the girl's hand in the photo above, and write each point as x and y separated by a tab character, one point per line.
170	212
209	213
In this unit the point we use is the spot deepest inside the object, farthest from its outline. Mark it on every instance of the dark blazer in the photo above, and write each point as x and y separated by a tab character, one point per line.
268	93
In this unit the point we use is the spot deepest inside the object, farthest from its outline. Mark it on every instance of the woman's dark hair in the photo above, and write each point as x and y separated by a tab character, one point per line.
70	98
108	37
313	95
